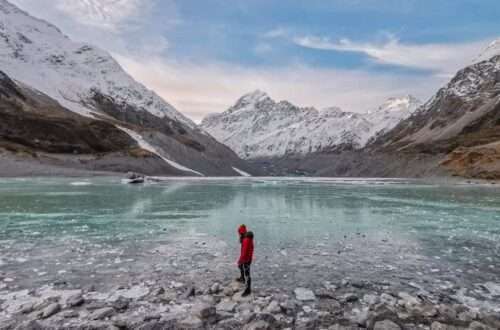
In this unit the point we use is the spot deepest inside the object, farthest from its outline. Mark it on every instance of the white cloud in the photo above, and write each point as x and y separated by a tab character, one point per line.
276	33
441	58
199	89
105	14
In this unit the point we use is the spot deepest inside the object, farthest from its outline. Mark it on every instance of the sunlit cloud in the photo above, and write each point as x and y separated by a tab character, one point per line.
106	14
442	58
200	89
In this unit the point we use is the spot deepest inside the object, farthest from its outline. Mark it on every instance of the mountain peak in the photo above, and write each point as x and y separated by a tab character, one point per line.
491	50
405	103
255	96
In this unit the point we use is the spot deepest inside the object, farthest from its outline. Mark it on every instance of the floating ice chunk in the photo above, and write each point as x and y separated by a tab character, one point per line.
493	288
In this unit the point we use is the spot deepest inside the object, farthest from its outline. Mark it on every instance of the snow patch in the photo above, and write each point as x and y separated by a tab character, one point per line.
240	172
147	146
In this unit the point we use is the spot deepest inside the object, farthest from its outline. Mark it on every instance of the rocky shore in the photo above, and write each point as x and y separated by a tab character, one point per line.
161	304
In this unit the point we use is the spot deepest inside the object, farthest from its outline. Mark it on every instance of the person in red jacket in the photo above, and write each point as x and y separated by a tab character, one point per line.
245	260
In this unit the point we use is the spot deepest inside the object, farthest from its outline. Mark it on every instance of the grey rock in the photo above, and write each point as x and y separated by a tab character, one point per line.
50	310
304	294
289	307
448	312
226	306
121	304
102	313
408	300
75	300
70	314
343	327
324	294
228	291
190	292
203	310
359	316
371	299
158	291
306	323
442	326
479	326
388	299
191	322
215	288
257	325
273	307
349	298
29	325
386	325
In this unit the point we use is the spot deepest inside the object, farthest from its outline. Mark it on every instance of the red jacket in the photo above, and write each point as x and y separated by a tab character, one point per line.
246	253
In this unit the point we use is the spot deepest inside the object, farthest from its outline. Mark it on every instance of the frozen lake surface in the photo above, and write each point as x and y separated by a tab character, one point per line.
437	237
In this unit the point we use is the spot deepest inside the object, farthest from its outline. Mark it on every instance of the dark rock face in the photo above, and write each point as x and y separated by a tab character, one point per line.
36	122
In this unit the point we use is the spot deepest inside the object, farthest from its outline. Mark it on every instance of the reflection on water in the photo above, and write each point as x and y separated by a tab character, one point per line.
367	227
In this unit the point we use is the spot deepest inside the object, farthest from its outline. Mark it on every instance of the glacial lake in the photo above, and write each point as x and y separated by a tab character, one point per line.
422	234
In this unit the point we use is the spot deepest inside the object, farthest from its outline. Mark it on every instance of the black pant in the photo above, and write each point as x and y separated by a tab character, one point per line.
245	274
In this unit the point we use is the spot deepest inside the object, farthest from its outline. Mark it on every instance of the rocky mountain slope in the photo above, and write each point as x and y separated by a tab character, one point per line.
90	83
457	132
259	127
462	121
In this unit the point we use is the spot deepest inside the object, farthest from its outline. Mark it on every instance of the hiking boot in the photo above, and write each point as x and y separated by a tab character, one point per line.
247	292
240	279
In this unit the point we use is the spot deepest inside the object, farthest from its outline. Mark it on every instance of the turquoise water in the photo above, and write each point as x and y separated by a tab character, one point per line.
305	229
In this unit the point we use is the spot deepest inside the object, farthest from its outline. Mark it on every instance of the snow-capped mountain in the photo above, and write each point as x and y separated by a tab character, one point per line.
491	50
38	54
89	82
259	127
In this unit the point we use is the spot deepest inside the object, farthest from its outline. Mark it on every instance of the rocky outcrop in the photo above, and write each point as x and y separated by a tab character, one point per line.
482	162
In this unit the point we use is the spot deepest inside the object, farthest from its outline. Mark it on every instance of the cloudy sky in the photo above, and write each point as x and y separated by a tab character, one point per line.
203	55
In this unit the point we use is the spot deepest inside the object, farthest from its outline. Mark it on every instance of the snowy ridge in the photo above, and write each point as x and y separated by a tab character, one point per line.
493	49
257	126
37	54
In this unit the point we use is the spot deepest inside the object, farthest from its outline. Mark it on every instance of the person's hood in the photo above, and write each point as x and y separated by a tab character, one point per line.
242	229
